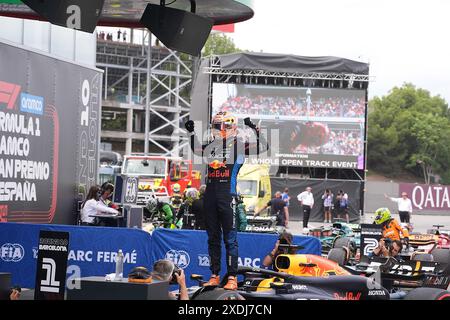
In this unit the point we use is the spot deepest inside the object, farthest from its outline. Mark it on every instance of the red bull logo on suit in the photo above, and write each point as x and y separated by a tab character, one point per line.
216	164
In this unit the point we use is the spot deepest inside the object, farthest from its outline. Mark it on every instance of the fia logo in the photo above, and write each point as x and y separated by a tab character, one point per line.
131	190
12	252
179	257
49	284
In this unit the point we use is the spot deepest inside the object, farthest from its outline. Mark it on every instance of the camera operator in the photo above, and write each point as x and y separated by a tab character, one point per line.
285	238
166	270
387	248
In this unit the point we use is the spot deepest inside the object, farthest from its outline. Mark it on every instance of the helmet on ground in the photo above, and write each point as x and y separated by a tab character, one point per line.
152	204
176	188
382	215
224	125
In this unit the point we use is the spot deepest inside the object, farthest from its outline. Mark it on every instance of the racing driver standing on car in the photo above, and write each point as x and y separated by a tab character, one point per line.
225	156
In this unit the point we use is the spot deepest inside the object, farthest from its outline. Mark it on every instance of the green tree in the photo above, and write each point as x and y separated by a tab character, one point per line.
218	43
408	130
432	151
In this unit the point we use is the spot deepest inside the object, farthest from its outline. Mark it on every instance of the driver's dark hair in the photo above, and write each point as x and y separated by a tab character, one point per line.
290	241
398	243
107	187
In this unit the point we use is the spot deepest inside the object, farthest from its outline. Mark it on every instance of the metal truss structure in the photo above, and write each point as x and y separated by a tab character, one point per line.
331	80
144	100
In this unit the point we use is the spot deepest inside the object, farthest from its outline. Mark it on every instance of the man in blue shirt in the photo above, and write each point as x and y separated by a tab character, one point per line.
285	196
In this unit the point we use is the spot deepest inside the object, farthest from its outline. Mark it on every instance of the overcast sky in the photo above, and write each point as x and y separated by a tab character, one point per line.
403	40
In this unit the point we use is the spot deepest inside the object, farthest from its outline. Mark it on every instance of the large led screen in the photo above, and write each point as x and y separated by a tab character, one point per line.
305	127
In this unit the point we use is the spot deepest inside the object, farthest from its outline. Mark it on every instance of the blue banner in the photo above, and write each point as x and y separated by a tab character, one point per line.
92	250
189	249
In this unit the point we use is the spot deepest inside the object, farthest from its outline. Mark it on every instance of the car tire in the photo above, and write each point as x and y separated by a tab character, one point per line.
345	242
338	255
428	294
219	294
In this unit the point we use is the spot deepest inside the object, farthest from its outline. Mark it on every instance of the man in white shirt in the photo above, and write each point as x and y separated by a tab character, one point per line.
306	200
404	207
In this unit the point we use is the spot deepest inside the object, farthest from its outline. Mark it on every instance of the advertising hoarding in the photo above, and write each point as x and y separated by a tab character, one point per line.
49	133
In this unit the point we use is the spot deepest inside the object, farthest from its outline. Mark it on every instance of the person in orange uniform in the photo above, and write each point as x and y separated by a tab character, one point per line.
391	228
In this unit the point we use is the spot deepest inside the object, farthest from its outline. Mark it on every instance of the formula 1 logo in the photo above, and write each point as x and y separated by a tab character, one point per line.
12	252
8	94
49	284
179	257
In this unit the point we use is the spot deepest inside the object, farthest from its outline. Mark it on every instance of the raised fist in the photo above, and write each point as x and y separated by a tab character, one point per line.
249	123
189	126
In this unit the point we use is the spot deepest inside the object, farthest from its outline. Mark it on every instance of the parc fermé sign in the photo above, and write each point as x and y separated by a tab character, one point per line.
427	197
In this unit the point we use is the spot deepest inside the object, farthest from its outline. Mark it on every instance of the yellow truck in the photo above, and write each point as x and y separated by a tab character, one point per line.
254	186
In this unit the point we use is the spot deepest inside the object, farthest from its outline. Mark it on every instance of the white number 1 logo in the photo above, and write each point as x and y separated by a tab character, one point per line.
49	284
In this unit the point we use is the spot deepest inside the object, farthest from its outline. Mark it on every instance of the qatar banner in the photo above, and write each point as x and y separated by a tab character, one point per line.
49	133
427	197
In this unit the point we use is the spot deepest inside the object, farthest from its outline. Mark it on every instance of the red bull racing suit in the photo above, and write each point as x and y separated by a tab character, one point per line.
225	157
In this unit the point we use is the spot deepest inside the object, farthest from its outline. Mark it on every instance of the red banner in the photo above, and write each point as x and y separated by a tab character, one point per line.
427	197
229	28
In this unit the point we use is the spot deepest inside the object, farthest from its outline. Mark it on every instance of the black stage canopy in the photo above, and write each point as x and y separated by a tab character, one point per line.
290	63
127	13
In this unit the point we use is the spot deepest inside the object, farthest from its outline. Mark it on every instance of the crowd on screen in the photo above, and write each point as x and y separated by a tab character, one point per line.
291	106
341	142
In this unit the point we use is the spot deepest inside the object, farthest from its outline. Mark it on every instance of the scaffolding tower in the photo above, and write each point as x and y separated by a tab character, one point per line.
126	90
